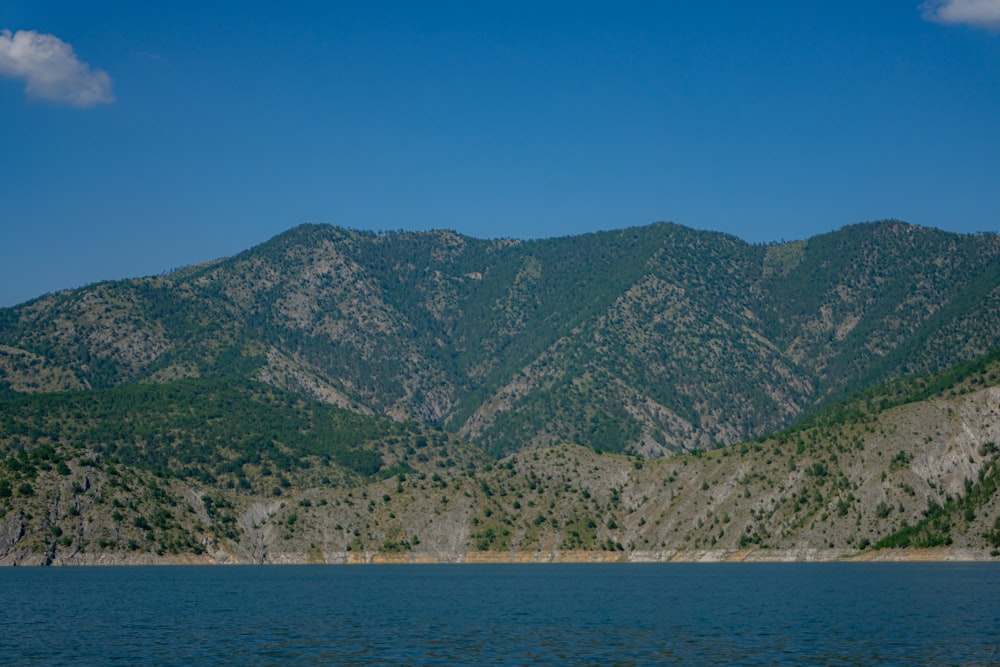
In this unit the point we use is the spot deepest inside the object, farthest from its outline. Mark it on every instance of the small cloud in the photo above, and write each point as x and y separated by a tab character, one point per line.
151	56
50	69
975	13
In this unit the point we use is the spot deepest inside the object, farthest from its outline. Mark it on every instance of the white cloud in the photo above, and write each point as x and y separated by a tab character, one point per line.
50	69
976	13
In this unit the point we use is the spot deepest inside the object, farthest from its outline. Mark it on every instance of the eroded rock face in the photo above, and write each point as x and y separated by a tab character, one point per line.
11	533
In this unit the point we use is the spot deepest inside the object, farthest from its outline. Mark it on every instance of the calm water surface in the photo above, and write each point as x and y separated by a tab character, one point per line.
759	614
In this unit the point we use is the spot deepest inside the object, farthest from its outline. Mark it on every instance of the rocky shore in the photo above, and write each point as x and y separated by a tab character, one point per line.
752	555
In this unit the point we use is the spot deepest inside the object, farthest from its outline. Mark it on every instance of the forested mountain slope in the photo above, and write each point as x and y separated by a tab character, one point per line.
654	339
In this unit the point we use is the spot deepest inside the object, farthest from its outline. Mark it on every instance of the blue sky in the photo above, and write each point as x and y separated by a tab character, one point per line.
139	137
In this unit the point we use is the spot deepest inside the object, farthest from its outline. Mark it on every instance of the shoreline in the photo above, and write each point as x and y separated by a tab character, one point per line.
752	555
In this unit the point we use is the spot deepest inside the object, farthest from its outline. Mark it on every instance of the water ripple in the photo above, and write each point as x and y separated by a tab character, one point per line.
628	615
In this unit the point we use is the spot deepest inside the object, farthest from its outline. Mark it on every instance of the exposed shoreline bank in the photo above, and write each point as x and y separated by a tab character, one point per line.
809	555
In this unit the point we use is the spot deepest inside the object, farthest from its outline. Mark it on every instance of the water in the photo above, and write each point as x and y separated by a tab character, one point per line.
722	614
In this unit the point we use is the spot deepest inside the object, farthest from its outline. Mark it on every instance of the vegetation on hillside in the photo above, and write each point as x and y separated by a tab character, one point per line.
650	340
216	470
642	393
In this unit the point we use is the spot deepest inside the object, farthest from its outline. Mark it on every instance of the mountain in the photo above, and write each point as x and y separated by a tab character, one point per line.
211	470
651	340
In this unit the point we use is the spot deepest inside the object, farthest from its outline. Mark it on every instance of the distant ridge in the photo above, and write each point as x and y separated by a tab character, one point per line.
651	340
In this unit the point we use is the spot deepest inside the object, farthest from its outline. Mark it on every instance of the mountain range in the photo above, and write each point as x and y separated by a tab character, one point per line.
543	396
649	340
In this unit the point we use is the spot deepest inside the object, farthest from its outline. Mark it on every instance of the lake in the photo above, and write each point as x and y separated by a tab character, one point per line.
606	614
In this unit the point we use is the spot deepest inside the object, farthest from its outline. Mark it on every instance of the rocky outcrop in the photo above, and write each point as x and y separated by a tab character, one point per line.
11	533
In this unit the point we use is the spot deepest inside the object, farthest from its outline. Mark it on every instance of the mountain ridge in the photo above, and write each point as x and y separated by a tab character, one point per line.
653	339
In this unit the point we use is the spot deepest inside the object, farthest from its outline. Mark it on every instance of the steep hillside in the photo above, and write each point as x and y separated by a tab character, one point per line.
869	302
650	340
139	475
